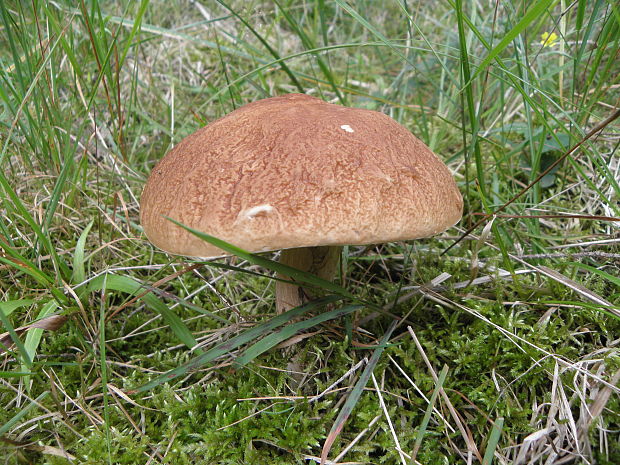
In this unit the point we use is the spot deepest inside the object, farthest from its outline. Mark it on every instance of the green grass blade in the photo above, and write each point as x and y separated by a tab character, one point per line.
24	265
23	353
366	24
33	338
494	438
79	273
10	306
429	411
15	374
271	50
533	13
603	274
185	304
132	287
309	44
471	109
136	25
272	265
22	413
288	331
103	363
244	338
41	235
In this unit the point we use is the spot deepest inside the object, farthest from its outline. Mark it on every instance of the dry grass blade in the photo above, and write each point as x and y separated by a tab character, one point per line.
499	275
346	375
389	420
465	433
564	216
474	267
50	323
355	440
355	394
601	399
296	339
47	450
562	433
578	288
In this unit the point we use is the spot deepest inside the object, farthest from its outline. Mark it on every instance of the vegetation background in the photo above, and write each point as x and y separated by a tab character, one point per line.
505	347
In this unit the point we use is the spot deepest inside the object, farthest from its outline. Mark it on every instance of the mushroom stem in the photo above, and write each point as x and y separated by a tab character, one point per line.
320	261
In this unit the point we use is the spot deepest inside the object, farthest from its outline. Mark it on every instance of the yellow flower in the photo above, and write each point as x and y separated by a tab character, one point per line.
548	40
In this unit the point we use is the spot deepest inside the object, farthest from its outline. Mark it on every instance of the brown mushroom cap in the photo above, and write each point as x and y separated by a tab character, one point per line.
295	171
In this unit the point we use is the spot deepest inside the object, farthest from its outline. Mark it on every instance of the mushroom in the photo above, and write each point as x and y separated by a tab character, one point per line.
299	174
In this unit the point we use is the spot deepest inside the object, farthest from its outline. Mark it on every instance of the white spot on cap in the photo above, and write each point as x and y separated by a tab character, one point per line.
347	128
250	213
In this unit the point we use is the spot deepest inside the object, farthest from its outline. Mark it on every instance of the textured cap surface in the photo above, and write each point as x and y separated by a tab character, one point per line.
295	171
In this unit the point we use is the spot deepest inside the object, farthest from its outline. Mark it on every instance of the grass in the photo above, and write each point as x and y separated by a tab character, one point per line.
497	346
